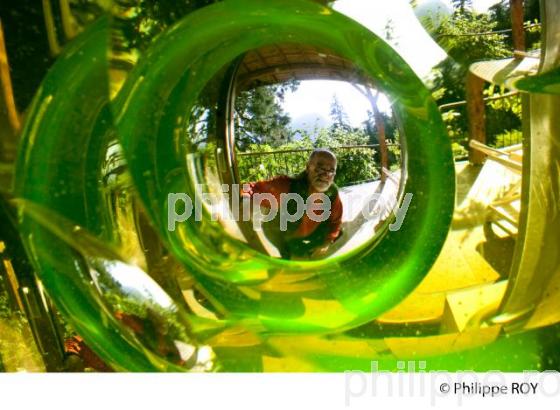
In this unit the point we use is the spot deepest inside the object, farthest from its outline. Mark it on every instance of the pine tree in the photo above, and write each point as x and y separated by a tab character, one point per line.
461	5
339	117
260	118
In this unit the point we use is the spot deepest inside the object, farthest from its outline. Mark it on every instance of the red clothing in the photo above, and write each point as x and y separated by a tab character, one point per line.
282	185
76	346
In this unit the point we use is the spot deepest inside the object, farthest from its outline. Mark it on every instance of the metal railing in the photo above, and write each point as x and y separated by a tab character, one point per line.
505	139
254	166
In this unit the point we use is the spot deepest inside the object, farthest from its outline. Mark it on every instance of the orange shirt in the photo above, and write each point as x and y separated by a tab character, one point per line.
282	185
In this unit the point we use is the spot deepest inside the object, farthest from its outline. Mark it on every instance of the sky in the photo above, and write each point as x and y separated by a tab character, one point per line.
311	103
313	98
482	5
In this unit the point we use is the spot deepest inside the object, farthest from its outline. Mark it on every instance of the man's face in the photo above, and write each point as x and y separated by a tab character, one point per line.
321	170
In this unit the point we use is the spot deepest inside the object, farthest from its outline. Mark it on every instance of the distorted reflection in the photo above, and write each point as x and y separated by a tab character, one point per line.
306	123
254	130
130	293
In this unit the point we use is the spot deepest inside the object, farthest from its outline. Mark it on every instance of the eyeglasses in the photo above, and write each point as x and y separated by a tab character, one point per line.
330	171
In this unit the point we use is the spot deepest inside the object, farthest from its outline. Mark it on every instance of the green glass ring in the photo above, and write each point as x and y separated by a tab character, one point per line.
70	124
152	111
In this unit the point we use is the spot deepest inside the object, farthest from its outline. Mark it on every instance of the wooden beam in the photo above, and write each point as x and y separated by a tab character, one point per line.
498	156
303	71
10	120
518	33
67	21
476	115
50	26
6	85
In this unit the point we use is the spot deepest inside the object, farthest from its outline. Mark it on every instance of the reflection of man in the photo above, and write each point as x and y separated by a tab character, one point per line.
306	237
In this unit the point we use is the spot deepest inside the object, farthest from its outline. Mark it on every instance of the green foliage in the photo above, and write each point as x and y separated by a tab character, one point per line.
154	16
354	164
15	318
461	5
507	138
450	119
391	129
501	14
264	159
438	94
260	118
533	32
459	151
511	104
5	309
503	117
17	349
395	156
455	35
464	49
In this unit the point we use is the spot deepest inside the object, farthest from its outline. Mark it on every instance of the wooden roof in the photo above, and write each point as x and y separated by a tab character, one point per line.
283	62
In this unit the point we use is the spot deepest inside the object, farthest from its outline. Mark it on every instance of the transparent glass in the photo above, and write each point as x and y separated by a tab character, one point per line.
119	130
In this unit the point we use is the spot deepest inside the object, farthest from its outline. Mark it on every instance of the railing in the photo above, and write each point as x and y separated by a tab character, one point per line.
356	163
461	142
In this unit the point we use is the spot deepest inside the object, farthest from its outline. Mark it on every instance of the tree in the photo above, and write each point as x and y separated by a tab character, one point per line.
339	117
372	131
260	118
461	37
154	16
501	14
456	36
380	124
461	5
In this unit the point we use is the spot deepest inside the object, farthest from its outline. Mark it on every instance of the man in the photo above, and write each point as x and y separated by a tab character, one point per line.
307	237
